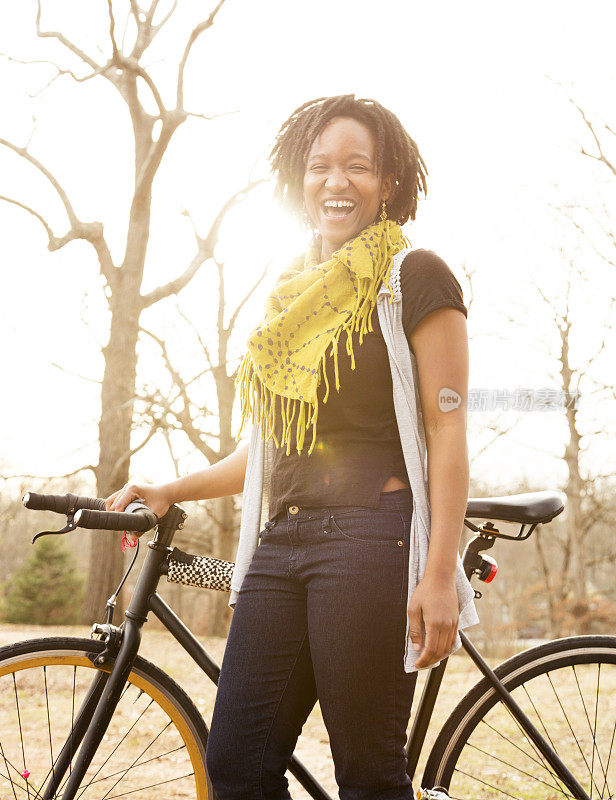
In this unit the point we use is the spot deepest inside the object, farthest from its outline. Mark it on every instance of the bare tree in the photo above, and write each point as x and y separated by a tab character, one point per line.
174	409
152	132
595	221
566	575
588	502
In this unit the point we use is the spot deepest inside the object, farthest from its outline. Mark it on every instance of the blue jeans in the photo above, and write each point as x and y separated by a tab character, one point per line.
321	614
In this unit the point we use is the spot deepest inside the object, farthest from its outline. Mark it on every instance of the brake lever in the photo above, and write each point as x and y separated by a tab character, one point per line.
70	523
70	526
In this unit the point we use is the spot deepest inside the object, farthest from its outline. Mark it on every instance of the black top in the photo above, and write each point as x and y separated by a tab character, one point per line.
358	444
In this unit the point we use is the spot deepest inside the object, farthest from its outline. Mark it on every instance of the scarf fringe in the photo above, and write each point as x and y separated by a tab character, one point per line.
258	402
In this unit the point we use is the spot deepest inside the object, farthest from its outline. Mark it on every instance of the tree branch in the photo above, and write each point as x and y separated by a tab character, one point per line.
249	294
176	465
211	116
565	212
156	28
133	65
204	347
196	32
601	157
23	152
213	516
92	467
114	45
76	374
205	251
127	456
52	238
59	72
194	435
63	40
498	432
91	232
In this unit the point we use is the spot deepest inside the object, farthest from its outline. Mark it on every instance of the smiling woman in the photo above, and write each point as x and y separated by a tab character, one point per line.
355	581
322	603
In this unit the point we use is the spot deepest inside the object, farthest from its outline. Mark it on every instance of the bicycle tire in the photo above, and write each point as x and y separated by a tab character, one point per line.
42	682
474	756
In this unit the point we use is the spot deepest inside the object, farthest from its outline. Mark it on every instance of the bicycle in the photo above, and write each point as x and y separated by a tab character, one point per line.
85	718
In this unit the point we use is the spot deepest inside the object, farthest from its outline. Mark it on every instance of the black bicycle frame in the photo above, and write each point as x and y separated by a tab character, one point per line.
100	703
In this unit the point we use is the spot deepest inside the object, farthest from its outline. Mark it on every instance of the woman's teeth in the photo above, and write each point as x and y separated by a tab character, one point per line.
338	209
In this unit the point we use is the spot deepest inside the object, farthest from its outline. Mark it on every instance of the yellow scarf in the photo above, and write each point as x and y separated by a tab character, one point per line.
309	307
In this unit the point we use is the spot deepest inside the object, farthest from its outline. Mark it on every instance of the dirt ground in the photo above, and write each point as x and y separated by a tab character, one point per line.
313	745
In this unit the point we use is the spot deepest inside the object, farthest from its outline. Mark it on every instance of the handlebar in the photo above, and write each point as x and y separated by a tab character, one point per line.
91	512
60	503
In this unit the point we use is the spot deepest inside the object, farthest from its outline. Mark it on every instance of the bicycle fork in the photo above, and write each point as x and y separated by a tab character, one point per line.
104	694
93	726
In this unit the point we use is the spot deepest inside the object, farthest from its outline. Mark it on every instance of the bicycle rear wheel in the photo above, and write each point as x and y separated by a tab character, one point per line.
155	742
567	689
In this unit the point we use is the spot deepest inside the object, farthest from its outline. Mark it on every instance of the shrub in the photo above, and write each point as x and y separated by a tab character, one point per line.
46	589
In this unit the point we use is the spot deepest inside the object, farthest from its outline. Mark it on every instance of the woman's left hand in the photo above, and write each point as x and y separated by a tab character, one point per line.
435	603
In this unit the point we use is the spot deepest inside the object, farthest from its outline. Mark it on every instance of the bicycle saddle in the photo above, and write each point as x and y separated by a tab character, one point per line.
527	508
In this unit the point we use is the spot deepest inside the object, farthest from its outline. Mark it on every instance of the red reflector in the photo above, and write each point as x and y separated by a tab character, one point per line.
492	573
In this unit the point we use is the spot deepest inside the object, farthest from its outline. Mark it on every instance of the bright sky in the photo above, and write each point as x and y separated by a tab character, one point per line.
470	83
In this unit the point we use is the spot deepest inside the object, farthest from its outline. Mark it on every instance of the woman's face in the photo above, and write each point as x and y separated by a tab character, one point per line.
341	168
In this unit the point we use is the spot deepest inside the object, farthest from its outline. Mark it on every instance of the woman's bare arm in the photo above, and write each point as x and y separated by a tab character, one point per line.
440	343
219	480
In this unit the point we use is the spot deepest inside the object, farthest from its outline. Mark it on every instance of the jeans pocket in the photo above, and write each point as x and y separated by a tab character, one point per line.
371	526
268	527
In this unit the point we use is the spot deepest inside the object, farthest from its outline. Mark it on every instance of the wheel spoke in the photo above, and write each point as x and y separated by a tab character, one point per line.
151	786
140	764
545	730
549	738
6	765
61	788
609	758
48	689
70	763
10	766
573	732
115	749
593	732
489	785
21	735
48	717
519	769
539	761
105	796
565	688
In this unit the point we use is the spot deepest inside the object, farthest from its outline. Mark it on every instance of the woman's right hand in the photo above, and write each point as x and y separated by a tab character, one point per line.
154	496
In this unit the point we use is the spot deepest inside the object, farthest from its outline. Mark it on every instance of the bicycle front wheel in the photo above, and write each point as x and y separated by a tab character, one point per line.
567	688
154	746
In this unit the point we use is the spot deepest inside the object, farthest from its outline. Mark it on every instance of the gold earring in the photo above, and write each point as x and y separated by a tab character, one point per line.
383	211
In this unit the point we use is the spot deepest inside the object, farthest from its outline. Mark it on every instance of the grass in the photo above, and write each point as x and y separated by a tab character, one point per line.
486	756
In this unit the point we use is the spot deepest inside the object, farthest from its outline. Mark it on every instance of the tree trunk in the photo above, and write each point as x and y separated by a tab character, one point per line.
117	399
575	519
220	613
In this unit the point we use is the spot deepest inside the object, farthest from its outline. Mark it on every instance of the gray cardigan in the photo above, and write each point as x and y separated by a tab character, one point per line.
412	436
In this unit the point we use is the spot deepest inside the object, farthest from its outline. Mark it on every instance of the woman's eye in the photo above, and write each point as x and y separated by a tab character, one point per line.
358	167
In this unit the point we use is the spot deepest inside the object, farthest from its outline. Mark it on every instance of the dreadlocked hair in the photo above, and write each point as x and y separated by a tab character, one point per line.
396	152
